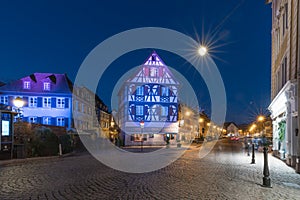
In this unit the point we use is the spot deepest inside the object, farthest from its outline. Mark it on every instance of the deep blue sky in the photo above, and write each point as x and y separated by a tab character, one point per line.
56	36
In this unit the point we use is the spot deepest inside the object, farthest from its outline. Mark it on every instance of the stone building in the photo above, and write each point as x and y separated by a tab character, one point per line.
284	80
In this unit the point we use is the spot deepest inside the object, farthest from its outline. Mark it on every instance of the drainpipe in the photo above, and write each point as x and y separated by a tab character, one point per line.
298	88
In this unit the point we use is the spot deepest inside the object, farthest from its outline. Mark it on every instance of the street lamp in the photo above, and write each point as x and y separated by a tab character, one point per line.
253	150
266	173
19	103
142	124
202	50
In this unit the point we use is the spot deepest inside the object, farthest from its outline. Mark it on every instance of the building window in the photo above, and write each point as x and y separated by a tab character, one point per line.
32	119
4	100
47	120
60	121
286	15
32	102
283	23
47	102
164	111
76	105
60	102
284	71
47	86
140	90
139	110
153	72
164	91
82	108
26	85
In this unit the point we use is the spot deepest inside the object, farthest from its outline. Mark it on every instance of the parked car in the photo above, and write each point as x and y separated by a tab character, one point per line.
234	138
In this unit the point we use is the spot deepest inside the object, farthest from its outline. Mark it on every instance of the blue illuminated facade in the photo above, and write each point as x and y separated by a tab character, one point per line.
47	98
150	96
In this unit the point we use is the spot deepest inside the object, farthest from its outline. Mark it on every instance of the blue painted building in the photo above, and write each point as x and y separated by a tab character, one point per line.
47	98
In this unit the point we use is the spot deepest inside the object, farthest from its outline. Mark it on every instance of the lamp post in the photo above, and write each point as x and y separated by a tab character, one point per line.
266	173
142	124
253	146
19	103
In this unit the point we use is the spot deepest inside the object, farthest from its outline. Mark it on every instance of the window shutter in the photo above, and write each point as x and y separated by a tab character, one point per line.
53	121
11	100
39	102
53	102
25	99
66	121
39	120
146	71
66	102
25	119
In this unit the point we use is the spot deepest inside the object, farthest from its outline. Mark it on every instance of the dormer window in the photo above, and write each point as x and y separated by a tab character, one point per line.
47	86
26	84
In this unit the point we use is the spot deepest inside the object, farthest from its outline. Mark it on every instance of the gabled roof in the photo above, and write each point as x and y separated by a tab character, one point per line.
226	124
154	60
154	70
60	83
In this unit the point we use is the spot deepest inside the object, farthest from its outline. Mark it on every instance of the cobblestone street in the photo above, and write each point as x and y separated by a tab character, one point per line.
226	173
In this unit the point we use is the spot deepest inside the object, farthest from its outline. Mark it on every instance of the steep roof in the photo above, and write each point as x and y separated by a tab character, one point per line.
59	83
226	124
154	70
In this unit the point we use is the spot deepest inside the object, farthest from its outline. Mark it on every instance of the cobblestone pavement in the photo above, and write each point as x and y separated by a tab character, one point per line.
226	173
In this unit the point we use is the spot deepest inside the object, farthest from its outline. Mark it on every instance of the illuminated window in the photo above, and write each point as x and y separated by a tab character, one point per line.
47	102
60	121
47	86
164	111
32	119
153	72
26	85
140	90
4	100
139	110
47	120
60	102
32	102
164	91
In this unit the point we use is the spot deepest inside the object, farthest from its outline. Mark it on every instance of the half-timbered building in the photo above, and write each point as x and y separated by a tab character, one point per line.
148	104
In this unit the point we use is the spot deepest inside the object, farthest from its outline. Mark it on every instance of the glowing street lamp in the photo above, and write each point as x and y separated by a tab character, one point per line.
202	50
19	103
260	118
201	120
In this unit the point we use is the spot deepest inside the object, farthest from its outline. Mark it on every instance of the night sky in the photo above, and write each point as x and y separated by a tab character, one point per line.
56	36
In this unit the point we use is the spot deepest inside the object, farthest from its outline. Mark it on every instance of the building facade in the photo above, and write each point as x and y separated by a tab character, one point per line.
284	82
148	105
231	129
48	99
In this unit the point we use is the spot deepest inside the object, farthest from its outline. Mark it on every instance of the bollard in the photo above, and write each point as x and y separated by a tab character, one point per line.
253	155
60	150
248	148
266	178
